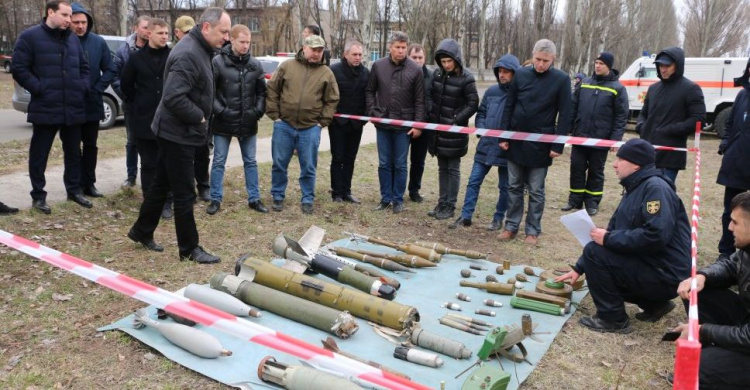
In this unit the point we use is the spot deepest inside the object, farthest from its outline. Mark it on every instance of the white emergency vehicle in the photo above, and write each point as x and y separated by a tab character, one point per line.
715	76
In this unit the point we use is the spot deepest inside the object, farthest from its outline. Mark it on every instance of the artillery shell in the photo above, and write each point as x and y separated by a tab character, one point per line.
463	297
529	271
491	302
451	306
478	267
499	270
506	264
490	278
465	273
521	278
511	281
485	312
526	324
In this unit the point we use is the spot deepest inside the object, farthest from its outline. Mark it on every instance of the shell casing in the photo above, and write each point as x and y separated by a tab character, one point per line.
526	325
485	312
463	297
455	325
506	264
494	303
451	306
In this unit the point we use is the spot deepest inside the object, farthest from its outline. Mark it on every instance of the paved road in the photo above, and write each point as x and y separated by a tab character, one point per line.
13	126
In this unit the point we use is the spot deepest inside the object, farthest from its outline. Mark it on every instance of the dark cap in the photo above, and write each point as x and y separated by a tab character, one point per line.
607	58
664	59
638	151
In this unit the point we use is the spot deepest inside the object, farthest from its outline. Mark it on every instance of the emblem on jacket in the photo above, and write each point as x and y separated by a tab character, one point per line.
653	206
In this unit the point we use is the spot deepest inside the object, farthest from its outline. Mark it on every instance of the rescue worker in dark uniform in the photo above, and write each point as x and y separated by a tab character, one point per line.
600	110
644	253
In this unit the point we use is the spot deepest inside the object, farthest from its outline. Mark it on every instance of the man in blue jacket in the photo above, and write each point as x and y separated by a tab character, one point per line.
49	62
101	75
644	253
489	154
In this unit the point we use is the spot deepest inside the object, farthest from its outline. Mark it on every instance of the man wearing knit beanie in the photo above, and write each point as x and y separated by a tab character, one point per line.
644	253
600	110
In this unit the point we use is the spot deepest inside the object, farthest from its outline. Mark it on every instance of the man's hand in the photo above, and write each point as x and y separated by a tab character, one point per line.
683	290
597	235
505	145
203	120
572	275
414	133
683	329
554	154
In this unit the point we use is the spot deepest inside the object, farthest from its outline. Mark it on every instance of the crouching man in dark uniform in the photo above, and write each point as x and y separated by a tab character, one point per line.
644	253
723	314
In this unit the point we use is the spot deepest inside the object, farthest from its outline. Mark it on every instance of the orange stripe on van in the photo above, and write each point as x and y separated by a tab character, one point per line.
702	84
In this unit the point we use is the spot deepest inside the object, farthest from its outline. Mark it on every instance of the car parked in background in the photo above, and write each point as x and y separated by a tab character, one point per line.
6	60
112	103
270	63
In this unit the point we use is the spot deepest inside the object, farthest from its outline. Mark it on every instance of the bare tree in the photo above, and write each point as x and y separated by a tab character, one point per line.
715	27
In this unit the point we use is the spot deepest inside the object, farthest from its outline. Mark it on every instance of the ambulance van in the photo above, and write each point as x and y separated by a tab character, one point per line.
715	76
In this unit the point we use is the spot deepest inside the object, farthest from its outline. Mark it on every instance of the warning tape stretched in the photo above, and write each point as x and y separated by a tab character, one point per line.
208	316
505	134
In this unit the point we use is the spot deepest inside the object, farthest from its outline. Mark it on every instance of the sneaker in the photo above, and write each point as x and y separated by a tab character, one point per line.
213	207
416	198
460	221
200	256
258	206
495	225
531	239
506	235
307	208
569	206
278	205
398	208
656	314
383	205
446	212
599	325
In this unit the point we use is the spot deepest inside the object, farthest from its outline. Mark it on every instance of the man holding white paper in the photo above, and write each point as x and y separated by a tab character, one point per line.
644	253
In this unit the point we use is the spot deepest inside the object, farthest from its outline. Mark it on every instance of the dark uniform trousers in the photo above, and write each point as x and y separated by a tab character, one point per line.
148	150
175	172
722	368
345	140
587	176
89	152
614	278
417	157
42	138
202	164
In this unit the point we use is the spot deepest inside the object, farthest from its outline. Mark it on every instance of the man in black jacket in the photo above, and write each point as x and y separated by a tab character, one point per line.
538	102
600	110
644	252
181	125
670	111
345	134
724	314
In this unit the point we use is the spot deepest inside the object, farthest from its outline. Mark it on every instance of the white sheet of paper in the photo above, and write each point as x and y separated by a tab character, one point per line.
580	224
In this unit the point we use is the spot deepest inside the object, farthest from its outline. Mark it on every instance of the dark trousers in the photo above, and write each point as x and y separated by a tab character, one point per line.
202	164
614	278
417	157
174	172
148	150
449	179
345	140
89	152
726	243
722	368
42	138
131	152
587	176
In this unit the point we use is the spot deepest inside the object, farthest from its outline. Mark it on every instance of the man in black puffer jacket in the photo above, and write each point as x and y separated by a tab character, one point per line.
600	110
724	314
239	103
670	111
454	100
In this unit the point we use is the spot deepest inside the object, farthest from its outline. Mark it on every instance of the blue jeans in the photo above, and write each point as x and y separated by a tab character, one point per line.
520	177
478	172
221	150
671	173
393	149
284	141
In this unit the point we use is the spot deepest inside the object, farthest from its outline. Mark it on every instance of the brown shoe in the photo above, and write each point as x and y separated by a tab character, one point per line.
506	235
530	240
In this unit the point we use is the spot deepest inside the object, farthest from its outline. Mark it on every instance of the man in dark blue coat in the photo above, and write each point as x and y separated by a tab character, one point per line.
600	110
538	102
49	62
489	154
101	75
734	174
644	253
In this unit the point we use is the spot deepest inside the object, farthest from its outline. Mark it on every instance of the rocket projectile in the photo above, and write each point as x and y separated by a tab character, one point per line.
439	344
300	377
408	260
380	262
220	300
195	341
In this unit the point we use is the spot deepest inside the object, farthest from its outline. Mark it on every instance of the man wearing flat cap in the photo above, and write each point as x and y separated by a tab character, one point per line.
644	253
182	26
301	98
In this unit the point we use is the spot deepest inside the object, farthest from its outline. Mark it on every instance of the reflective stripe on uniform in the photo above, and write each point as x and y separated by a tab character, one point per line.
599	87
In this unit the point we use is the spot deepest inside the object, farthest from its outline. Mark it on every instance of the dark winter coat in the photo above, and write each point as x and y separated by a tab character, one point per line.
427	76
352	82
650	223
725	273
120	59
670	111
101	69
735	144
490	114
185	108
142	84
395	91
537	103
52	66
600	108
454	100
240	94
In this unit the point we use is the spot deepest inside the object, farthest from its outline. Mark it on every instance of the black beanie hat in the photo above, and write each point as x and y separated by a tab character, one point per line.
607	58
638	151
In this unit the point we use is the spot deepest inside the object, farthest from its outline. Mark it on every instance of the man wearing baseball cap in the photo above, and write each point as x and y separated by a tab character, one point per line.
644	253
182	26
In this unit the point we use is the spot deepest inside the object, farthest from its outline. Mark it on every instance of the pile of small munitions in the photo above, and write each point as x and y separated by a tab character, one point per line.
332	307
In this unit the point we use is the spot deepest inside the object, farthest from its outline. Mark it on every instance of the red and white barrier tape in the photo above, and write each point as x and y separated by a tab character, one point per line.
505	134
208	316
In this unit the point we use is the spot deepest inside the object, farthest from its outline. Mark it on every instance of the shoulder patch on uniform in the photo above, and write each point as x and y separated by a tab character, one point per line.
653	206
